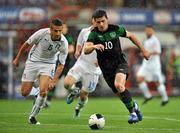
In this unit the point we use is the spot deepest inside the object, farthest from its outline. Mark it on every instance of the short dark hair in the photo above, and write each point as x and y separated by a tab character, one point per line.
57	22
149	26
99	13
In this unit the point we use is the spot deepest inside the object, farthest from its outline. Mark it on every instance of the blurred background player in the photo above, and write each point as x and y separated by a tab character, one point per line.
70	60
105	40
46	44
85	69
151	70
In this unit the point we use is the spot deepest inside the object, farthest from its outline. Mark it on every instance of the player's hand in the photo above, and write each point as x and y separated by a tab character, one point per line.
52	84
146	54
77	54
16	62
99	47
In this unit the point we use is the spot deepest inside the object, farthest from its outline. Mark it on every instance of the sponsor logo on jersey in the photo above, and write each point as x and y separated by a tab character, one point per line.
101	37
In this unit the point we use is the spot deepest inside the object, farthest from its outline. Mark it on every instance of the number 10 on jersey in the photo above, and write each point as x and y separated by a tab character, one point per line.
108	45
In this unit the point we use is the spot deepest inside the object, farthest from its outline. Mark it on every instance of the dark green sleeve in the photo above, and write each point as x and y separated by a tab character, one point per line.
122	31
70	40
91	37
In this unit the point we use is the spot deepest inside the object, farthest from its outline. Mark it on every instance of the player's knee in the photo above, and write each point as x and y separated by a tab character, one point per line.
43	93
24	92
119	87
69	81
67	84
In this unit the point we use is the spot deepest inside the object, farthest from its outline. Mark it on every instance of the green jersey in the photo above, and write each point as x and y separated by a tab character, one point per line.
112	55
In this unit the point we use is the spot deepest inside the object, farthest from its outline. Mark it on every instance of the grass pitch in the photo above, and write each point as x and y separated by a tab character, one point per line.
59	117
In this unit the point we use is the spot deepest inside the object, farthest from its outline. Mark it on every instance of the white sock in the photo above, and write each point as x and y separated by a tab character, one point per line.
37	106
81	104
34	91
162	91
74	90
143	87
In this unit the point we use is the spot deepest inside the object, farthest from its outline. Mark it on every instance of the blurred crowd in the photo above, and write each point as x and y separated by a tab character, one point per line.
94	3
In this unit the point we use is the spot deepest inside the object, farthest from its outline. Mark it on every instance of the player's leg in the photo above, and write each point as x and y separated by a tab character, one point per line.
162	91
34	91
140	79
82	101
144	89
125	96
26	88
50	95
44	83
161	87
28	79
69	84
89	82
71	78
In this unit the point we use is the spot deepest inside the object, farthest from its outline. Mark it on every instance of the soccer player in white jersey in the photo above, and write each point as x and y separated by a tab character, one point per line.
46	44
150	71
85	70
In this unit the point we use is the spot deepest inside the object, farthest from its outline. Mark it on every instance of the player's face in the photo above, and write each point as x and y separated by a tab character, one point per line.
56	32
149	32
102	23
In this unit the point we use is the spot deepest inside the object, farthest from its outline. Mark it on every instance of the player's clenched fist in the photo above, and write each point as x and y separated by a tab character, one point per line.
52	84
99	47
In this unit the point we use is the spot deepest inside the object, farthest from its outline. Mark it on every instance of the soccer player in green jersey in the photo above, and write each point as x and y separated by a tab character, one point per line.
112	61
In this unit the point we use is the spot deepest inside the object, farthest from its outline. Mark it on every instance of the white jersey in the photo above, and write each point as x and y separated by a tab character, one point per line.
89	60
152	44
45	50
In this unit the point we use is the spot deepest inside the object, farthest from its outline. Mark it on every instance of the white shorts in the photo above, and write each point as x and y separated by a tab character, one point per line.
150	74
34	69
89	80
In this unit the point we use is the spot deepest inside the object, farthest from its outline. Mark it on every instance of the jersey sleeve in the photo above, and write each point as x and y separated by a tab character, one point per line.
157	46
63	53
91	37
34	38
80	39
121	31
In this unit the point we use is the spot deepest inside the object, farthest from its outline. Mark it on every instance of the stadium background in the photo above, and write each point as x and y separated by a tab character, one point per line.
20	18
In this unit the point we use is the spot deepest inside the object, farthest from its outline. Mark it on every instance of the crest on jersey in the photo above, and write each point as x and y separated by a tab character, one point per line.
113	34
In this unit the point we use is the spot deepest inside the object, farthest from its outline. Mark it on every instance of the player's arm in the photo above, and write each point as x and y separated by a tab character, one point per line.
61	58
89	47
20	53
138	43
79	44
33	39
58	72
78	51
